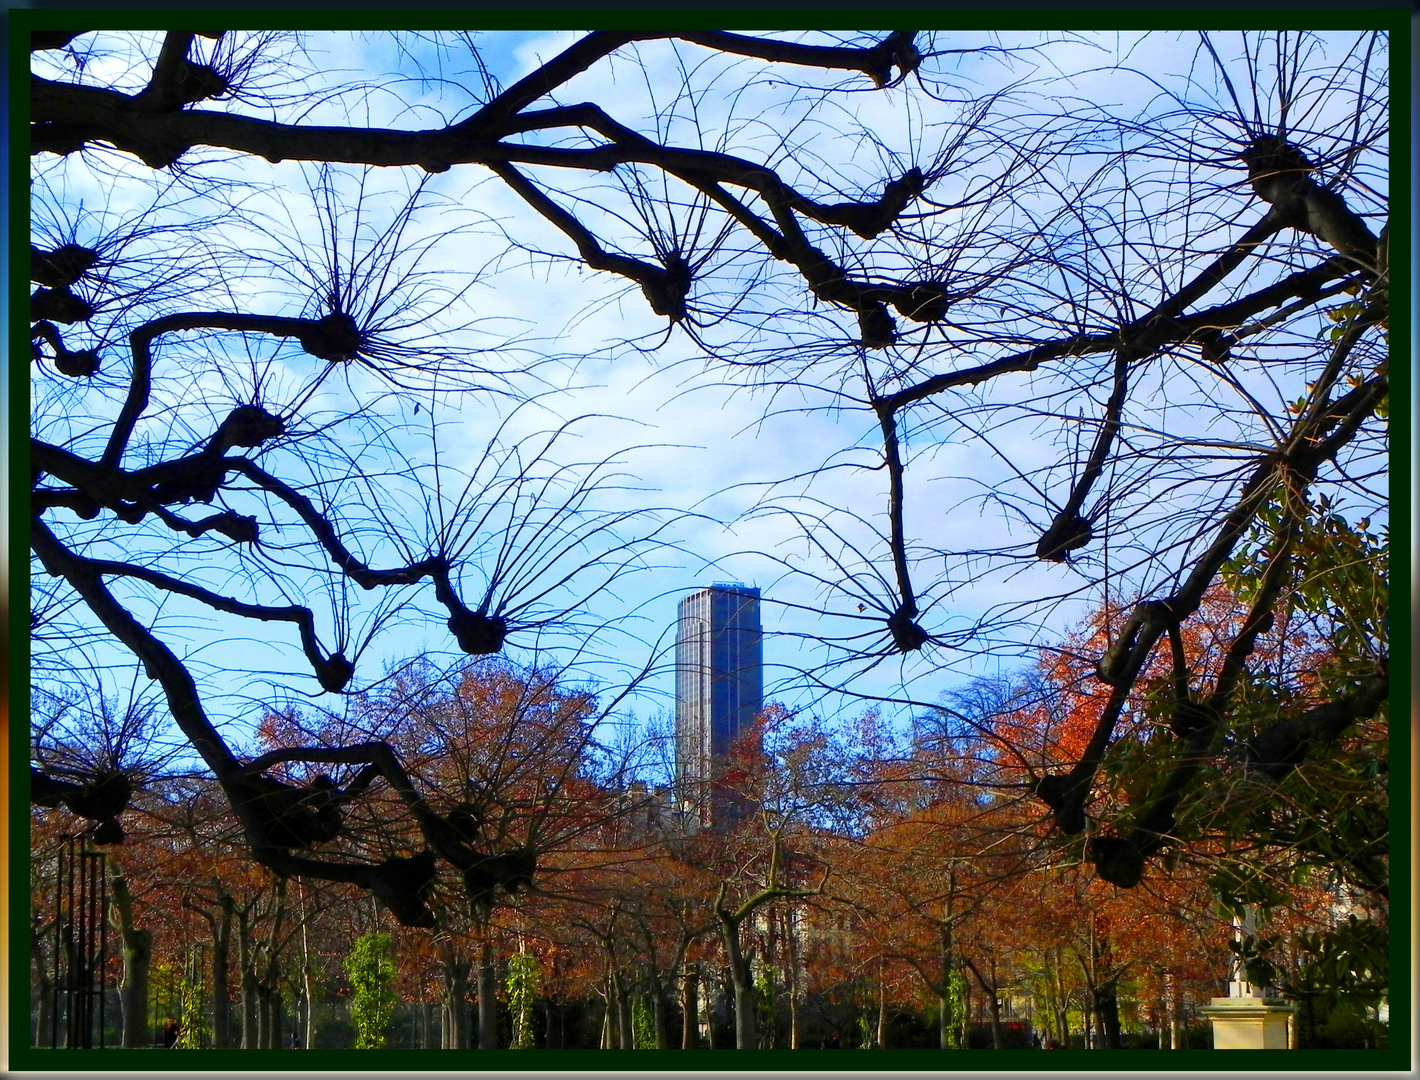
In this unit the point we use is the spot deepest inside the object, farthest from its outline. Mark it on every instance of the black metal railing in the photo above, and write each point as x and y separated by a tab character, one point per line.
80	958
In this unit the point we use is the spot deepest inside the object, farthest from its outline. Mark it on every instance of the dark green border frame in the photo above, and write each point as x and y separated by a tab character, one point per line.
1391	15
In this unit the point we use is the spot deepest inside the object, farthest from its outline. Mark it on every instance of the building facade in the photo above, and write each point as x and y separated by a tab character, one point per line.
719	692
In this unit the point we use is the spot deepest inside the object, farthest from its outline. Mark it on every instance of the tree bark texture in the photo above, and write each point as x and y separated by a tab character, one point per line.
137	946
487	997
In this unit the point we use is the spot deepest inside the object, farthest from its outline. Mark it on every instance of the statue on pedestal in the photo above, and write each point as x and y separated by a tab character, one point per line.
1249	1018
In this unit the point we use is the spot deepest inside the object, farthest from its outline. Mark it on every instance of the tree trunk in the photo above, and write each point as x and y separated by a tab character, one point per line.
794	1033
946	1018
766	999
1103	1009
453	1012
608	1020
710	1012
996	1043
268	990
1062	1012
137	946
791	977
613	1010
44	985
250	1010
137	958
277	1018
882	1036
1106	1009
487	996
221	978
658	1013
308	981
992	991
742	977
744	1013
689	1007
263	1019
1175	1017
552	1014
625	1037
272	980
245	960
965	1008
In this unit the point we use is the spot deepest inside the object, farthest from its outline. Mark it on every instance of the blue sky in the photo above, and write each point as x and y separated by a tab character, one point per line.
711	445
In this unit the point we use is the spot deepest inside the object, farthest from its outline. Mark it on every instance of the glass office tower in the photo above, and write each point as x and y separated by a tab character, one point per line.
719	691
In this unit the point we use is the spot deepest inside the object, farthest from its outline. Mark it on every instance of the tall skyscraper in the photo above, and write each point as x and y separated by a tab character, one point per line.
719	684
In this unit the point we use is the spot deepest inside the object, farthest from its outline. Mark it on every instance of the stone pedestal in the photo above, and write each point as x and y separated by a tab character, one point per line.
1248	1023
